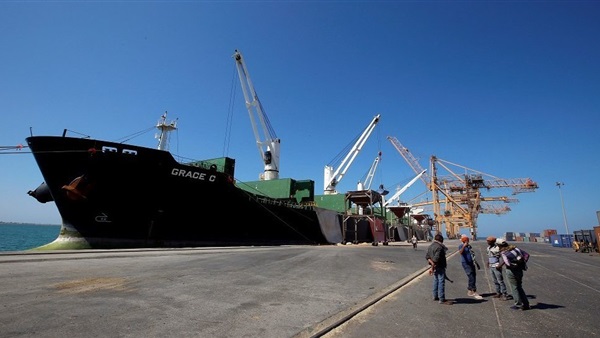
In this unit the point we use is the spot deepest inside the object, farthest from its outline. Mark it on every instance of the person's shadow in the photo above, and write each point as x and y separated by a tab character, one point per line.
544	306
539	306
486	295
468	301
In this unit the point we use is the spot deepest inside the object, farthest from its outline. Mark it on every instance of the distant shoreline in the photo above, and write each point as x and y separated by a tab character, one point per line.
22	223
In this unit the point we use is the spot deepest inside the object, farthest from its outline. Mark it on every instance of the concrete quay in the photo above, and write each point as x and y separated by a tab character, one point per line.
287	291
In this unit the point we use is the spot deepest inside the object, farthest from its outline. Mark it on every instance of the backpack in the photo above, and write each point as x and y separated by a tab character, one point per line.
521	258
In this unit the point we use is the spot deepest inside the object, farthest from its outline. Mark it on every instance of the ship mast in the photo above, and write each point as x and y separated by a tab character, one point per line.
164	128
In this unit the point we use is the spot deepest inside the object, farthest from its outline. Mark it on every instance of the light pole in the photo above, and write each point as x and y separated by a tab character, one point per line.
562	202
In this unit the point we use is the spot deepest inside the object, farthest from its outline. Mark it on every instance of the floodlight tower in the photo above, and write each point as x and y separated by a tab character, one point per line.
562	202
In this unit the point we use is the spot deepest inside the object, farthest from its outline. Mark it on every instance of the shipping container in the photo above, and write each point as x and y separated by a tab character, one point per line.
586	236
567	240
509	236
556	240
562	241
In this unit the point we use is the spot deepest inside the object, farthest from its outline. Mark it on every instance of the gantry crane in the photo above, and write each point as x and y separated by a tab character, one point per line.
268	143
462	198
410	159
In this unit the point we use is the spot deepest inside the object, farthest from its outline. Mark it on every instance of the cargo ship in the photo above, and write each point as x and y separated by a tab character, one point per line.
117	195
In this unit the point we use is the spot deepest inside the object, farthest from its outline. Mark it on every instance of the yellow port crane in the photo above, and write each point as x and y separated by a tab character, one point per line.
461	196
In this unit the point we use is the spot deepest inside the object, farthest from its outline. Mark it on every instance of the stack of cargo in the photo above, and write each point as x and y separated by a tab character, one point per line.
522	236
547	233
590	238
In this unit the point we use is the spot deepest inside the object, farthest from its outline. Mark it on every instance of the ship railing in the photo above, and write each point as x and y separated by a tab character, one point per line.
289	203
205	165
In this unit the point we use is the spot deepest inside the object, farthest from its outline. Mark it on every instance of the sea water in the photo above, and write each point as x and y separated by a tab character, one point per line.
18	237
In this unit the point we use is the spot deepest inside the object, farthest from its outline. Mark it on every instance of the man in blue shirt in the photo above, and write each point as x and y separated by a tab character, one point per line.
468	264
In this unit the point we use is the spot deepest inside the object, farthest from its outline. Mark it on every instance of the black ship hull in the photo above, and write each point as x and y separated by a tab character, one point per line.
114	195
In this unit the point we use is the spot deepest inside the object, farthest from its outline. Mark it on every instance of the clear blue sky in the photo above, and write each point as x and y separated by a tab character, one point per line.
508	88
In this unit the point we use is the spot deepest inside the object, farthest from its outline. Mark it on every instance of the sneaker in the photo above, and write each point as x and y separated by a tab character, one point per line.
436	299
446	302
470	293
525	307
515	307
497	295
476	295
504	298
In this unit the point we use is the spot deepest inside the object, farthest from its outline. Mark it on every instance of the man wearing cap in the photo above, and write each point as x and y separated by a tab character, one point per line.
494	259
468	263
511	256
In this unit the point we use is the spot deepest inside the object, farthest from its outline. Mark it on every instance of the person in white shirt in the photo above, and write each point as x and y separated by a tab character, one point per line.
494	259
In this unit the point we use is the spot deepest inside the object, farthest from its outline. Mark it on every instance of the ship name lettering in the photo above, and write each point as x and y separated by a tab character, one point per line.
102	218
193	174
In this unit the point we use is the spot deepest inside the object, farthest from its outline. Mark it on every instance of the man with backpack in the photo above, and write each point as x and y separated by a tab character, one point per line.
515	260
494	259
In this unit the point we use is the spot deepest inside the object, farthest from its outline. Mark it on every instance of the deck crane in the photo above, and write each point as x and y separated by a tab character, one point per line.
404	188
268	144
333	178
366	185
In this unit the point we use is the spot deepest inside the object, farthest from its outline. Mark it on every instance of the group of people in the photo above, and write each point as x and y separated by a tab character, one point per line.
501	257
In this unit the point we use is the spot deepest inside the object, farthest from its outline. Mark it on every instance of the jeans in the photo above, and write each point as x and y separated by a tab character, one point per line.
515	280
471	276
439	284
498	279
